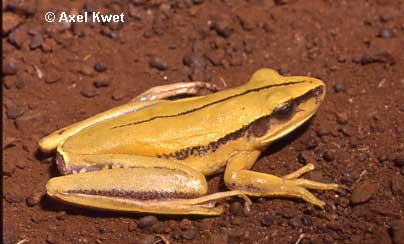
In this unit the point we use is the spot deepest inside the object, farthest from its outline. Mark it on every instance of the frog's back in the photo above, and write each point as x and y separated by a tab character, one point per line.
171	126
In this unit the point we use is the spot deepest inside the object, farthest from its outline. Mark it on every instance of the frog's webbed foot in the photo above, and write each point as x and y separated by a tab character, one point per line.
261	184
175	89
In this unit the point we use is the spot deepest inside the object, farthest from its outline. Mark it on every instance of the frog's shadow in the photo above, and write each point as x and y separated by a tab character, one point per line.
49	204
286	140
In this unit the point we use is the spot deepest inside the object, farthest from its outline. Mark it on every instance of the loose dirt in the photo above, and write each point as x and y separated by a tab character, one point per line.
56	74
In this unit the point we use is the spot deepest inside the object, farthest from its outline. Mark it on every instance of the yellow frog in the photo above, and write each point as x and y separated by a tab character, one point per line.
152	154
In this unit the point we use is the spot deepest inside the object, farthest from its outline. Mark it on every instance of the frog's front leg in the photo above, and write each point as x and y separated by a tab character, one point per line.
239	177
133	183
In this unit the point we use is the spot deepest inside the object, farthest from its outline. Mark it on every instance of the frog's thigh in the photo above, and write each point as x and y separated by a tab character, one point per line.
148	185
180	88
238	177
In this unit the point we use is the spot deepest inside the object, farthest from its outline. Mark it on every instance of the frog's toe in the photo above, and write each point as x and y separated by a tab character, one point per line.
300	192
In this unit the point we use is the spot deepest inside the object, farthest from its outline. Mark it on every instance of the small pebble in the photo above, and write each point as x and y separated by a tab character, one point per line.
342	118
10	22
306	157
322	131
18	36
136	13
383	57
267	220
89	93
399	159
306	221
185	224
147	221
235	220
61	215
222	26
104	230
339	87
14	112
385	33
8	83
9	68
384	18
198	74
100	67
296	221
346	131
87	71
247	210
158	63
52	76
101	83
216	56
50	238
48	45
188	234
363	193
36	41
12	197
281	2
176	234
311	143
34	199
246	24
194	60
382	158
118	94
157	227
328	156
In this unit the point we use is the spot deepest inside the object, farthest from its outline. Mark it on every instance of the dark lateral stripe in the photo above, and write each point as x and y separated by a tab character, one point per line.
209	104
138	195
213	146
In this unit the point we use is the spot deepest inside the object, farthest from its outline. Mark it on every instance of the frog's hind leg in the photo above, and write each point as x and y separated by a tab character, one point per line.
132	183
148	98
53	140
175	89
238	177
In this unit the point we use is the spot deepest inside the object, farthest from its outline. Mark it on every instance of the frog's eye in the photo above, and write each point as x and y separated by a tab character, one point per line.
284	110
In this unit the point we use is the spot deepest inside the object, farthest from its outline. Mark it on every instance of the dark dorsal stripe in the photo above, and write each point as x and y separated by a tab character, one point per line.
209	104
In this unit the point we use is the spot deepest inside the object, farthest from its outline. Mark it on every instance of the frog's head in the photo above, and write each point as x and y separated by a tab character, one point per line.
289	101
